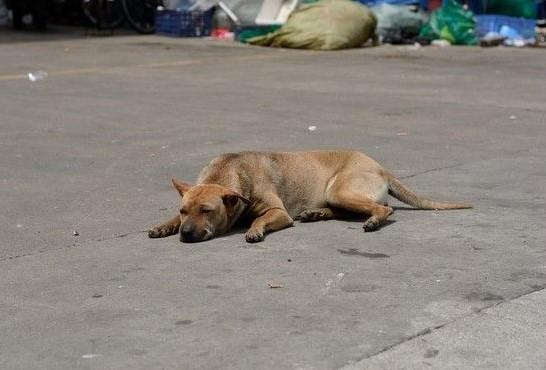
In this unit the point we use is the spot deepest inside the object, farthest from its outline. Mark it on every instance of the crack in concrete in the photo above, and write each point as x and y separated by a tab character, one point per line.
428	331
73	245
432	170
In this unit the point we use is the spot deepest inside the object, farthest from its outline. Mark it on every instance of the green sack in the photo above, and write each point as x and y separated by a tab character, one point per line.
452	23
324	25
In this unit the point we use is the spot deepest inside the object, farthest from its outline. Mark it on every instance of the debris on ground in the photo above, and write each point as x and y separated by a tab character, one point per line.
452	23
398	24
37	76
324	25
275	285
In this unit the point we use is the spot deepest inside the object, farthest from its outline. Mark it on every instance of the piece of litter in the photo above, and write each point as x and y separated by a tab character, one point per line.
289	260
512	117
90	355
340	276
312	128
438	280
97	295
441	43
37	76
121	286
402	133
164	147
18	226
75	233
415	46
275	285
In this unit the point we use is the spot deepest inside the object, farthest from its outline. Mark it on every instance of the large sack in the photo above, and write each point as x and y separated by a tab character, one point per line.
324	25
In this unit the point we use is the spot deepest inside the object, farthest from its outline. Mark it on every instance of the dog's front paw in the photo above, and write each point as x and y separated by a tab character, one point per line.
371	224
253	236
160	232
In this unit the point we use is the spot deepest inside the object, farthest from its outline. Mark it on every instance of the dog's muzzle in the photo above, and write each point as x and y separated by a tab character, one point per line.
189	234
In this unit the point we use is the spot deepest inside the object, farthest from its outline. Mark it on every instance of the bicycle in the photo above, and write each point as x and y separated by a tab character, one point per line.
110	14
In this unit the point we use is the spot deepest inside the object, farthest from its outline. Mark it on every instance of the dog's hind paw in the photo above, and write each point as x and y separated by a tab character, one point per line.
254	236
371	224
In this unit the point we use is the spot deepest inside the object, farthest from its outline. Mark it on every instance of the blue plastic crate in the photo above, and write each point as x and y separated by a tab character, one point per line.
492	23
185	23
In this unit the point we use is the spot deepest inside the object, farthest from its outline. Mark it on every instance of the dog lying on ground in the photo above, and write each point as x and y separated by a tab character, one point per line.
273	189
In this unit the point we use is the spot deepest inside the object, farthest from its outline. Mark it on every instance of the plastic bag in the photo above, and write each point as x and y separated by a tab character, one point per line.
324	25
513	8
398	24
452	23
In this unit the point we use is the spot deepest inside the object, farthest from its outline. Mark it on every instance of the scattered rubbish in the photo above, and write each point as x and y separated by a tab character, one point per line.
402	133
121	286
275	11
415	46
312	128
512	117
514	31
275	285
398	24
164	146
289	260
97	295
244	33
90	355
222	34
18	226
492	39
452	23
323	25
332	283
75	233
441	43
37	76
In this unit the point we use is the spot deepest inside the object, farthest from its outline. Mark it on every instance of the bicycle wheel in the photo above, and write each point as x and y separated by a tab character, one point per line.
141	14
103	14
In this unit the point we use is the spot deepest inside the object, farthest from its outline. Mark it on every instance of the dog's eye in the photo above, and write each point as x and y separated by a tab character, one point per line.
206	210
183	211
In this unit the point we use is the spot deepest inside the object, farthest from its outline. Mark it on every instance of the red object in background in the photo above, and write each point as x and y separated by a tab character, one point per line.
222	33
434	4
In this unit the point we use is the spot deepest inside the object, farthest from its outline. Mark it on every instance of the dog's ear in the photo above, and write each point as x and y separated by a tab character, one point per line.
231	198
181	186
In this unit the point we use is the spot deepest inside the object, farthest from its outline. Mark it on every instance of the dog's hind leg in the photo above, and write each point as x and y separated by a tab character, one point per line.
165	229
360	194
272	220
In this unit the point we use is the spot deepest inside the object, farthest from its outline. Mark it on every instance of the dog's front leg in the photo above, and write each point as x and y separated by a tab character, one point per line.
274	219
168	228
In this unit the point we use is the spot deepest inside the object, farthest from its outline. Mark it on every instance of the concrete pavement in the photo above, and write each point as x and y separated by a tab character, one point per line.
92	148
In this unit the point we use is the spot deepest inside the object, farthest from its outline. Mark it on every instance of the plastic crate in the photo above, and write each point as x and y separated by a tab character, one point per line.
185	23
492	23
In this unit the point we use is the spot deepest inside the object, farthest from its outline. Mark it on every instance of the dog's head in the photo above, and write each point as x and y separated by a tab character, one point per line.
206	210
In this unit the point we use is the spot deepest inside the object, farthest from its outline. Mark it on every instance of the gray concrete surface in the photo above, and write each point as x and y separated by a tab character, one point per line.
92	149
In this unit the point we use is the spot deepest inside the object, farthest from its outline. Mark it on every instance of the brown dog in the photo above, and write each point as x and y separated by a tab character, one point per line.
273	189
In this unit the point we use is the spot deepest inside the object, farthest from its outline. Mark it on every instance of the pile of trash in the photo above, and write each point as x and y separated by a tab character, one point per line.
341	24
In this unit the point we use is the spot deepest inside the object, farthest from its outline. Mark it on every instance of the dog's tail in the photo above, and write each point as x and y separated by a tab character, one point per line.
402	193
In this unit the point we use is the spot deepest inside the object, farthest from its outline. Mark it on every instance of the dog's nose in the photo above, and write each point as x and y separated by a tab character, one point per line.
186	233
